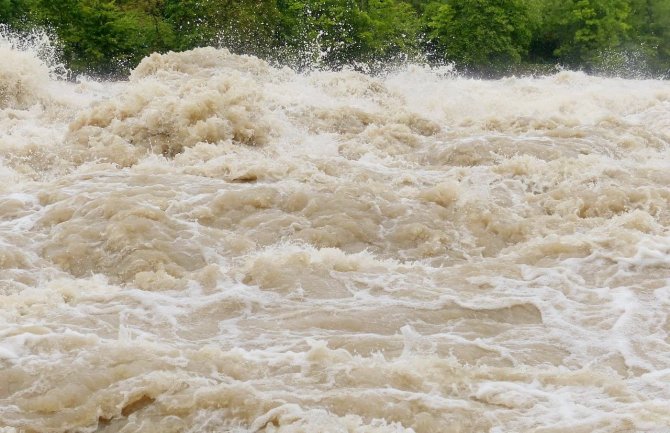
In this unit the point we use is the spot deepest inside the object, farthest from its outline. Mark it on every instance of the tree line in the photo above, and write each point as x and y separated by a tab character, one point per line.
482	37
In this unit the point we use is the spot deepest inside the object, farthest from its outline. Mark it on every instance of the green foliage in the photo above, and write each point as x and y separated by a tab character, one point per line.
480	34
661	28
581	30
97	36
395	30
241	25
336	32
16	13
332	32
188	20
108	37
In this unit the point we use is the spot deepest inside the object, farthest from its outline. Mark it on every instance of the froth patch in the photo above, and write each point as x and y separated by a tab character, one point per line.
312	272
123	237
291	418
201	61
23	79
178	100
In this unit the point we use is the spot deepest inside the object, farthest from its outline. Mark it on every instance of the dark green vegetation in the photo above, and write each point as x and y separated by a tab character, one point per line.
486	37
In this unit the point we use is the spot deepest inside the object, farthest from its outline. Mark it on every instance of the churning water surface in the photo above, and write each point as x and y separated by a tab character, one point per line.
218	245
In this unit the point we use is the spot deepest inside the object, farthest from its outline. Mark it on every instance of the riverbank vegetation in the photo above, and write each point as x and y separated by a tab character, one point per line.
482	37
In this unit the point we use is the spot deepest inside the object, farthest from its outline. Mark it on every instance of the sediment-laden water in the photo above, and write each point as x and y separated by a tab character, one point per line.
218	245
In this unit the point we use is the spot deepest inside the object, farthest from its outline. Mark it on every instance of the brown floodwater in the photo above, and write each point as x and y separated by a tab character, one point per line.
218	245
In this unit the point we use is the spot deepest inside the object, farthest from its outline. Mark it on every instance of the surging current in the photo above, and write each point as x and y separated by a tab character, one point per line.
218	245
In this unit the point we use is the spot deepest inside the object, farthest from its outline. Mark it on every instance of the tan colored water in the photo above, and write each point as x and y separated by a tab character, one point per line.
217	245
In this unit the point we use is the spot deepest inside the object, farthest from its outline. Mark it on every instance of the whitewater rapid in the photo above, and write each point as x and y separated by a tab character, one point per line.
219	245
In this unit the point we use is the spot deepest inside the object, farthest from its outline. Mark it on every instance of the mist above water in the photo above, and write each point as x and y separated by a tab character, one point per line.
217	244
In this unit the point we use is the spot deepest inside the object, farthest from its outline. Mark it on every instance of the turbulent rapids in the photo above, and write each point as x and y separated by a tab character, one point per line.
219	245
